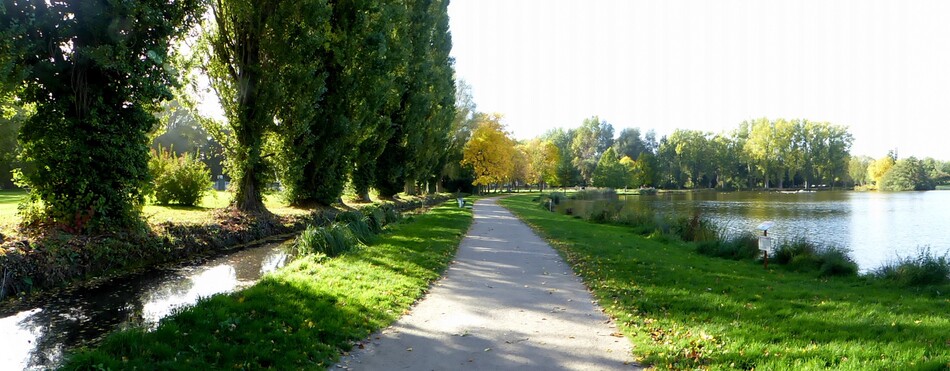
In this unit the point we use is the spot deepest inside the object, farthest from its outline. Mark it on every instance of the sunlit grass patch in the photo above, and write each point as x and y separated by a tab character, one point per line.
304	315
683	310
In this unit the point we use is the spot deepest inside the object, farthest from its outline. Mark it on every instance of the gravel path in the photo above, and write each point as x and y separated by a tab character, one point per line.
507	302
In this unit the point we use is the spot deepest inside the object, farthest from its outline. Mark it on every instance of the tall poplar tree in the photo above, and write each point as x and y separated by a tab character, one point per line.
427	104
264	66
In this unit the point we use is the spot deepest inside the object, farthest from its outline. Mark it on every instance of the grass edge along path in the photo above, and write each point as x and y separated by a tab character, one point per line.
684	310
304	315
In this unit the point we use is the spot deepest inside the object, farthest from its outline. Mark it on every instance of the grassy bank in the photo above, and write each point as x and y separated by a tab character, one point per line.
685	310
304	315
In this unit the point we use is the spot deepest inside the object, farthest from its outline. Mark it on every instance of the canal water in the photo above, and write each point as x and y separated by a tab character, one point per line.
875	226
37	338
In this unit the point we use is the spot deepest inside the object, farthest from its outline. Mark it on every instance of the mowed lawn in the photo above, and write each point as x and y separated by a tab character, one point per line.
683	310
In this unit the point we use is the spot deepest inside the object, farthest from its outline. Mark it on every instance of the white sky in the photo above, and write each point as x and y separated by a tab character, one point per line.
880	67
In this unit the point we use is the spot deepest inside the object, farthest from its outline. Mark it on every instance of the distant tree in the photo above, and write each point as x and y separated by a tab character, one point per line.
609	172
182	132
858	169
566	174
877	170
763	148
907	174
543	159
463	125
590	142
12	116
490	151
691	154
630	144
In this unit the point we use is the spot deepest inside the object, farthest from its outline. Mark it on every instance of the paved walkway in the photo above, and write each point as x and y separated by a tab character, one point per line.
507	302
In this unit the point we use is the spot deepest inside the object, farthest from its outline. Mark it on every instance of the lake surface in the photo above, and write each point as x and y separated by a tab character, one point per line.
876	226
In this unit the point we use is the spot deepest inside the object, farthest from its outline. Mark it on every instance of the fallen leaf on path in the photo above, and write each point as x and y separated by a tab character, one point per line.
409	349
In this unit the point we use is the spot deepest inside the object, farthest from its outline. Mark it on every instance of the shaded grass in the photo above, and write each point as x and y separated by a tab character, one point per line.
301	317
685	310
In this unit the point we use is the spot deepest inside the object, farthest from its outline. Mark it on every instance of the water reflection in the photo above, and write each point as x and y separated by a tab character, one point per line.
876	226
38	337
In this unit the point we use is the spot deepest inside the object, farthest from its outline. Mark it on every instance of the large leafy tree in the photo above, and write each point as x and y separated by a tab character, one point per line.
95	70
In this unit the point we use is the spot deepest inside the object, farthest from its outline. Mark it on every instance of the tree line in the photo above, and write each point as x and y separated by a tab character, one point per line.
314	93
760	153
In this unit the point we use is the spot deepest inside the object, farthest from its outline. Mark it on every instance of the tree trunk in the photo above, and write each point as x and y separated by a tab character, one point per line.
248	198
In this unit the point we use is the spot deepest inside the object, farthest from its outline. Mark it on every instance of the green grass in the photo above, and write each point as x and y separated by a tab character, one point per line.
685	310
9	199
301	317
200	214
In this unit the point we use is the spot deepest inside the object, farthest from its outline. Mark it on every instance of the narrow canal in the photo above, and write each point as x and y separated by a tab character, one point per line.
37	338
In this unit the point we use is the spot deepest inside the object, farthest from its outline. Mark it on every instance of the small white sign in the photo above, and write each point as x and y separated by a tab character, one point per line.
765	225
765	243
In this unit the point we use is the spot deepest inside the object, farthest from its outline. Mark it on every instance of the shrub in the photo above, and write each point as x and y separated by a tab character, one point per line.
694	229
358	224
179	180
921	270
787	250
743	246
392	215
375	218
836	261
331	240
802	255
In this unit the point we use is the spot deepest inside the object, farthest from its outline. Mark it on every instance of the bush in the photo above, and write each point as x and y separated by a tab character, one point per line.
358	224
694	229
802	255
331	241
787	250
744	246
836	261
178	180
391	214
375	218
921	270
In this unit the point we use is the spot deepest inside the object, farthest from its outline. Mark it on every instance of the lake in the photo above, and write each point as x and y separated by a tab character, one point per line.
875	226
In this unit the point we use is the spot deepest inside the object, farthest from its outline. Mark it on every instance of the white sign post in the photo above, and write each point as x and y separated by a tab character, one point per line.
765	242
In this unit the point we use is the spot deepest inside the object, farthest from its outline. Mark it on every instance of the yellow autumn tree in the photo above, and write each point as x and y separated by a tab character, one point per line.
489	151
878	168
